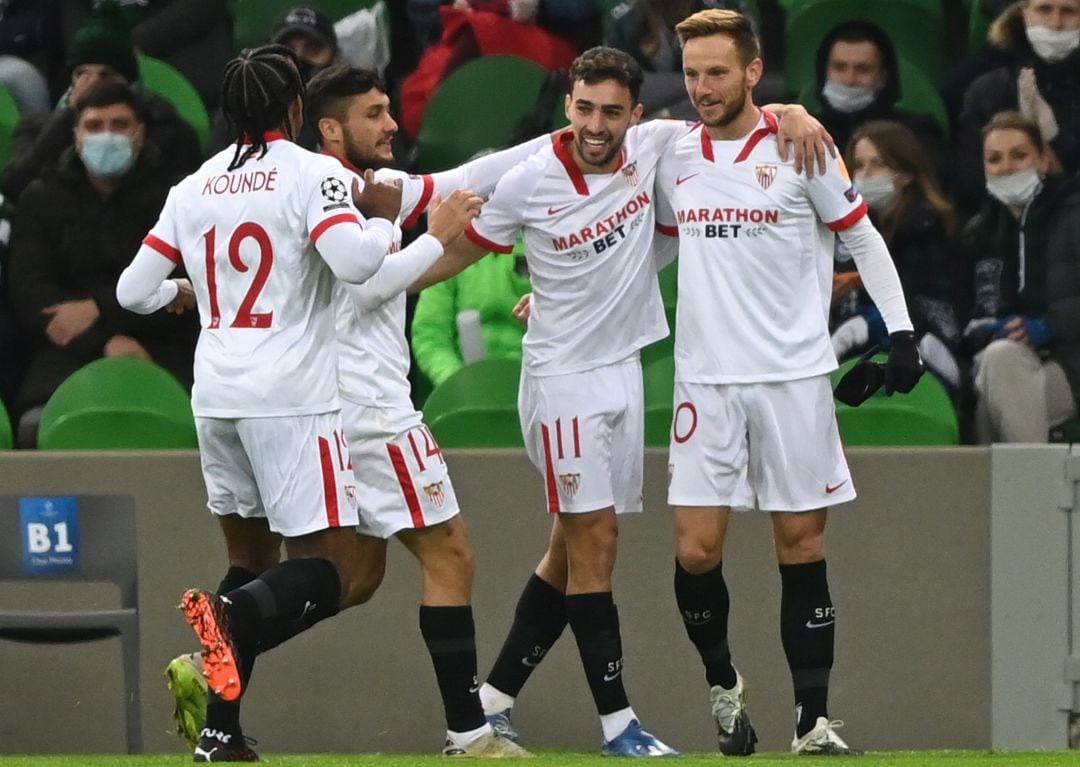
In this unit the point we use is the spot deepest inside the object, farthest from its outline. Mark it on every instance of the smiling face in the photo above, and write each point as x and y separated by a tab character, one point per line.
717	80
600	114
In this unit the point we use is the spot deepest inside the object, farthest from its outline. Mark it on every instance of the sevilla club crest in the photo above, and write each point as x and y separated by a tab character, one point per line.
765	175
630	174
435	494
570	483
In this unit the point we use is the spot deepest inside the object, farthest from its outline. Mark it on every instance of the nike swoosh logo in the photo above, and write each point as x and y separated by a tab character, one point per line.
612	677
530	662
681	179
553	211
812	625
830	489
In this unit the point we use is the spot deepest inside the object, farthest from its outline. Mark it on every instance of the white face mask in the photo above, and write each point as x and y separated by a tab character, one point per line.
1016	189
1053	44
848	98
877	191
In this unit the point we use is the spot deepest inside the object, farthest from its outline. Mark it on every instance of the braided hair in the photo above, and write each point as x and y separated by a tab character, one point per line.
258	88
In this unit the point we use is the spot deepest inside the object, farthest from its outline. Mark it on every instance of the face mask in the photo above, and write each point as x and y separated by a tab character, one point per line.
1053	44
108	154
1016	188
848	98
877	191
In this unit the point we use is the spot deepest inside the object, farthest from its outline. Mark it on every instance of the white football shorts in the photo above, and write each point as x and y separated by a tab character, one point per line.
401	476
770	446
292	470
585	432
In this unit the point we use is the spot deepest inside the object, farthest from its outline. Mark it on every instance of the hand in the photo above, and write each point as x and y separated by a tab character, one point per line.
126	346
905	366
185	297
448	218
378	199
70	319
1014	329
1033	106
810	139
523	309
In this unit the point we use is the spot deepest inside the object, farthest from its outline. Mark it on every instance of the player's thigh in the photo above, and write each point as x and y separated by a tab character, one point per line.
401	475
569	422
301	466
797	461
709	454
799	536
231	487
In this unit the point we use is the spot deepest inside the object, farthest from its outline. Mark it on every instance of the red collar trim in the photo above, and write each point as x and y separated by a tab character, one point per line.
270	135
566	157
706	144
772	125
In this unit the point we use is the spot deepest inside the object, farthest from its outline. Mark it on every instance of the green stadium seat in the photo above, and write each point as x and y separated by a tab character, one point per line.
478	426
118	403
1068	432
487	383
916	27
924	416
163	79
477	107
7	438
9	119
978	26
917	94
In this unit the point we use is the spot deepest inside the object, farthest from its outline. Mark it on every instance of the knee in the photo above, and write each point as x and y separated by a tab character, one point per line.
1001	357
698	555
801	549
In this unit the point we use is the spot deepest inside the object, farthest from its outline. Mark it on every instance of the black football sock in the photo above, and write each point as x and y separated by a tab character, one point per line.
808	632
594	620
450	636
224	715
539	620
703	603
290	591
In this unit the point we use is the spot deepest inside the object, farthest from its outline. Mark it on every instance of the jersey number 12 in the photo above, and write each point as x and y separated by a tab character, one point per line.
245	318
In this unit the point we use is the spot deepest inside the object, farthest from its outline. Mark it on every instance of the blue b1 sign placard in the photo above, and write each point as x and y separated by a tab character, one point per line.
50	534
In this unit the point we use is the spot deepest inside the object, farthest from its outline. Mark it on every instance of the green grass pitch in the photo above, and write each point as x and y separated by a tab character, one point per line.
550	759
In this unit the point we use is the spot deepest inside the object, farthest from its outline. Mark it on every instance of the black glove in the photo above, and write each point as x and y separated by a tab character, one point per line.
860	383
905	366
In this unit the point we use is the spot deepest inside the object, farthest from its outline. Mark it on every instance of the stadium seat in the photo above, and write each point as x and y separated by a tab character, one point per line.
916	27
106	553
924	416
917	94
163	79
978	26
9	119
478	426
658	379
1067	432
7	439
118	403
254	20
477	107
487	383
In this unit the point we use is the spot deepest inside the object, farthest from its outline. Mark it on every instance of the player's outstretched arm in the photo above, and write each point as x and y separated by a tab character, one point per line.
447	219
459	255
144	286
482	174
806	135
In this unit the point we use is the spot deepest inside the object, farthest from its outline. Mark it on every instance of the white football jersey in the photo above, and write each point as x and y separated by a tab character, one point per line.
755	256
588	240
373	353
246	239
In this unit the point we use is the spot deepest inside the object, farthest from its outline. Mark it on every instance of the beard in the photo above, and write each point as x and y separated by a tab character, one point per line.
731	113
608	156
363	158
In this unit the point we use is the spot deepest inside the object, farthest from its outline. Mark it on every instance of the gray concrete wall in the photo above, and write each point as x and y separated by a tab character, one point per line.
909	566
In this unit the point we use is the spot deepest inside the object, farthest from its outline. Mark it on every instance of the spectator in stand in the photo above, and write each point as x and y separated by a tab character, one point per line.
102	51
75	230
896	179
1024	245
32	31
985	56
858	77
491	287
1042	82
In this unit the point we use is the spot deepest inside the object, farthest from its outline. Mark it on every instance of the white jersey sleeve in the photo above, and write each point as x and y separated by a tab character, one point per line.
482	174
353	251
833	196
500	221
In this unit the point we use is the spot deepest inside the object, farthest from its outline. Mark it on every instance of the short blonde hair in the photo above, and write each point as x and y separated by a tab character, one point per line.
714	21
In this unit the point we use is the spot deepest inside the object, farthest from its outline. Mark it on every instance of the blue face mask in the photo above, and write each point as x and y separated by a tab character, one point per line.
108	155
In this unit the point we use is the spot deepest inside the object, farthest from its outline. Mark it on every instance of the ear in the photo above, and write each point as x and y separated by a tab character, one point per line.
330	130
140	136
754	70
636	113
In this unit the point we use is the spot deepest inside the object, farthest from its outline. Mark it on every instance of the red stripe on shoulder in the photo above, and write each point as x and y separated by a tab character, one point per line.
421	206
849	220
484	242
670	231
326	223
562	151
164	248
706	144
